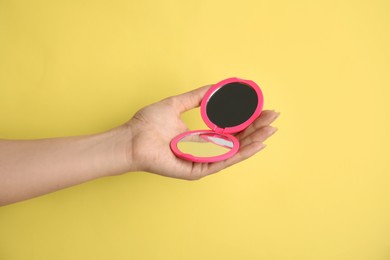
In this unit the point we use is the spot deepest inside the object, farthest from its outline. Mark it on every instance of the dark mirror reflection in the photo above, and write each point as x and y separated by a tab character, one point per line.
232	105
205	144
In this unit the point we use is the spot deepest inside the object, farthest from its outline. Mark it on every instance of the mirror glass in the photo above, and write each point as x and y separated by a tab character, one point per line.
205	144
232	104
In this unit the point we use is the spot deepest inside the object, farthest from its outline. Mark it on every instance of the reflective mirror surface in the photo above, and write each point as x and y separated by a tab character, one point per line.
205	144
232	105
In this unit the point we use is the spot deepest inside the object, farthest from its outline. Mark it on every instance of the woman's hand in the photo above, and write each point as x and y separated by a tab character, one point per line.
29	168
153	127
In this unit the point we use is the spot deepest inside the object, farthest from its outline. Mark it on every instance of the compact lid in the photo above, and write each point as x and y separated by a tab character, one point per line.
231	105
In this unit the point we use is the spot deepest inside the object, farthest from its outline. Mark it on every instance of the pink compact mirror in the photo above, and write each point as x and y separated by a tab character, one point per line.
227	108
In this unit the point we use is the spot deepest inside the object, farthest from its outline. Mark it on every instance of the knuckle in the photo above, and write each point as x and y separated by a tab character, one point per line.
171	101
139	116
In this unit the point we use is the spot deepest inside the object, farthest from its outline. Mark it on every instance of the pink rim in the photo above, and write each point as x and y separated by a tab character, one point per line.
178	153
242	126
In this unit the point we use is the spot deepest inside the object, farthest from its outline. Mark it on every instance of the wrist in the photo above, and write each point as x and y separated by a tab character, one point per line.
117	150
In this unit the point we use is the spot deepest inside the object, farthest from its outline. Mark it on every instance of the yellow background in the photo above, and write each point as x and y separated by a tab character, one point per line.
321	188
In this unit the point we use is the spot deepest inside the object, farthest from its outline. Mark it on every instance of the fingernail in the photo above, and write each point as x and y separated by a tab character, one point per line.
274	129
261	147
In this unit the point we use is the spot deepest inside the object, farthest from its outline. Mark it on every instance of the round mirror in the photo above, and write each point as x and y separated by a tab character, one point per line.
232	105
205	146
228	107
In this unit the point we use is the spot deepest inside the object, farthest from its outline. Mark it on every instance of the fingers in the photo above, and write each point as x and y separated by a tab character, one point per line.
188	100
251	141
243	154
266	118
254	143
260	135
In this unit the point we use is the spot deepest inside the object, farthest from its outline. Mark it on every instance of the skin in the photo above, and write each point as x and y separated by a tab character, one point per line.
29	168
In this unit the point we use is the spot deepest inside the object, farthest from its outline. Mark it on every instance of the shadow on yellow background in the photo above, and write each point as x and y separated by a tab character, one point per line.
320	190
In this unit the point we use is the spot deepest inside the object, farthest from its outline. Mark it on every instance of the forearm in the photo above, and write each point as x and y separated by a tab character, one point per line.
29	168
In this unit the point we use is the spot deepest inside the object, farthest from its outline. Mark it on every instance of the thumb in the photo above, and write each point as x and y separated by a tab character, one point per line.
189	100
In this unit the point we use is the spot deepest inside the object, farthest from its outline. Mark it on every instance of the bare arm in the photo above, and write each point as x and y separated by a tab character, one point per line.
30	168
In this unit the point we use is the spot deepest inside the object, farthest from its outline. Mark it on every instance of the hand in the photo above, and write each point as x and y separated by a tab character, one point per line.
30	168
153	127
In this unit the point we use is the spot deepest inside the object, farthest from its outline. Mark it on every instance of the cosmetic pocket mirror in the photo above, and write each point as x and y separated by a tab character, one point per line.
227	108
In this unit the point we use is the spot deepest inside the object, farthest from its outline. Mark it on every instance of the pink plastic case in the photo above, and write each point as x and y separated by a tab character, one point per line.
218	132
